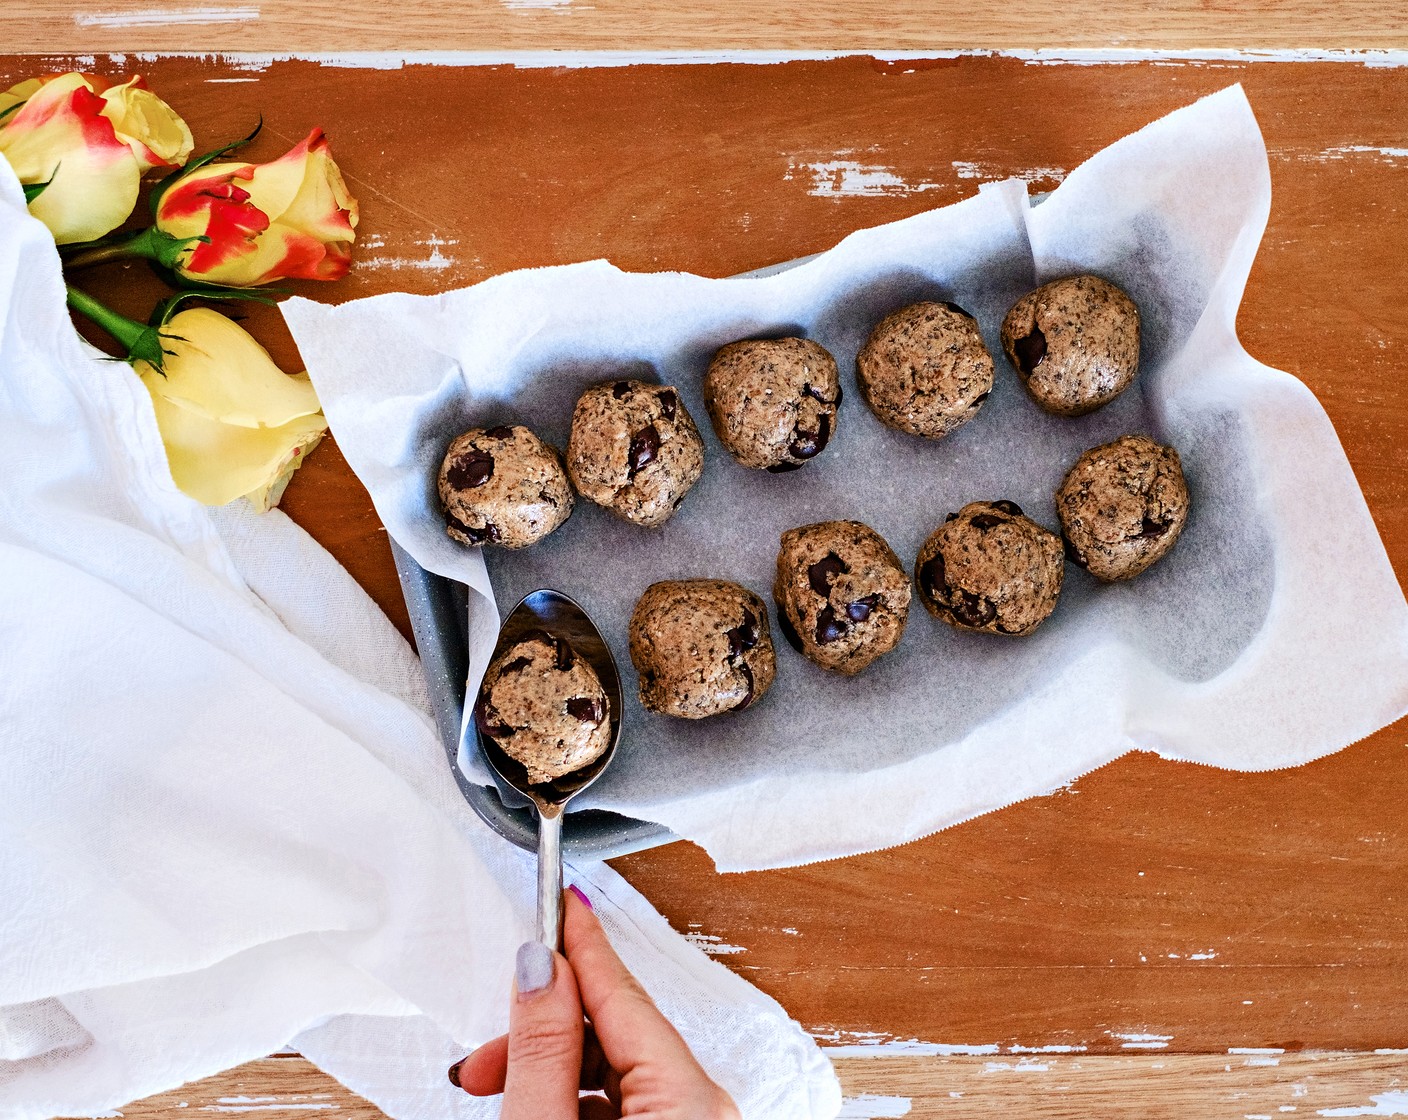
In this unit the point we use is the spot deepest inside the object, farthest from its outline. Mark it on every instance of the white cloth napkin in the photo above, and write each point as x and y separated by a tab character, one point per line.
1274	633
226	822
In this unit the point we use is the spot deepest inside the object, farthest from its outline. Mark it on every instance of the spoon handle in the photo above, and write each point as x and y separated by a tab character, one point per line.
550	876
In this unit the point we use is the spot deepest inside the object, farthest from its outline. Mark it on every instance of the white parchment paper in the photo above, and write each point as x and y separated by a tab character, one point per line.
1275	631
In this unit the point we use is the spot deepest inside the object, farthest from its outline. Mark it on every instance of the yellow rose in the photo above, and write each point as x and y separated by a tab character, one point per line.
91	142
233	423
290	219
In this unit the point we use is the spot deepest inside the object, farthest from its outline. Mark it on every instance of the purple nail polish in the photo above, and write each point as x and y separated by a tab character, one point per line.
533	968
582	895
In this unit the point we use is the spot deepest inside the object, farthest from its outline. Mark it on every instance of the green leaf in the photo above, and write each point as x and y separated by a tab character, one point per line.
163	312
164	185
34	190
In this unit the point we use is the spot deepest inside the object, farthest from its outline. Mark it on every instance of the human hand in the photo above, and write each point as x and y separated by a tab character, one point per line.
627	1048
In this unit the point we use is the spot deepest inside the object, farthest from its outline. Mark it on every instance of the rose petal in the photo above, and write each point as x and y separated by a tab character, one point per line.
158	137
216	463
59	133
266	496
216	369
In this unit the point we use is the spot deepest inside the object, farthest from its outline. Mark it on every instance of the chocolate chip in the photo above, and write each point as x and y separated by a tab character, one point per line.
783	468
564	657
744	636
585	708
473	535
829	628
645	446
500	432
955	307
1008	507
788	630
817	395
1030	350
620	389
973	610
1151	530
516	664
472	469
487	720
950	517
807	444
1071	554
668	403
824	572
860	610
933	580
987	521
748	696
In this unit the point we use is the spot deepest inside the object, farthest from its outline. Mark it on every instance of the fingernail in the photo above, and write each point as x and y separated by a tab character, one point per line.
533	969
455	1073
582	895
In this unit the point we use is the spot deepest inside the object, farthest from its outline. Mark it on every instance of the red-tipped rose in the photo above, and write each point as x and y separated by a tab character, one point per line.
292	219
87	142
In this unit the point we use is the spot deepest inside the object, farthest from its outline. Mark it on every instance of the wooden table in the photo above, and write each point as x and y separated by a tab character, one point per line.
1157	940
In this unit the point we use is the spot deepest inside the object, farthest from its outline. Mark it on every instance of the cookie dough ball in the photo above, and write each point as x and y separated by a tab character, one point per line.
1122	506
842	595
1074	342
542	704
635	450
701	647
773	401
990	568
503	486
925	370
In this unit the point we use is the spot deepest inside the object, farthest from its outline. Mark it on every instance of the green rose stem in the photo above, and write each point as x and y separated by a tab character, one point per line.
150	244
142	343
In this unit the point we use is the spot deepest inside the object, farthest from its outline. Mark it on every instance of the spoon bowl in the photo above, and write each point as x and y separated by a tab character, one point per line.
562	617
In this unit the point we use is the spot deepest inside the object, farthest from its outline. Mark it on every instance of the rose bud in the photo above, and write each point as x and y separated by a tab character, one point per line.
292	219
234	424
91	142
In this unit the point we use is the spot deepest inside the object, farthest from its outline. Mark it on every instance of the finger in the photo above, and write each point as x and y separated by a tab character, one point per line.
597	1073
482	1073
544	1038
597	1108
628	1025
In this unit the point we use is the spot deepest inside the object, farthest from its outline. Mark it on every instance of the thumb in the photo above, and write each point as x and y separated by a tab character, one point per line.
544	1038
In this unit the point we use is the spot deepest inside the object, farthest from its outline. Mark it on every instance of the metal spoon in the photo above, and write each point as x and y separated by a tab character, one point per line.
560	616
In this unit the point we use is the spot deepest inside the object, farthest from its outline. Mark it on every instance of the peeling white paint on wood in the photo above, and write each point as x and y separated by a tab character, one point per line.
874	1044
1142	1040
1392	1103
872	1106
583	59
166	17
316	1101
847	178
968	169
713	945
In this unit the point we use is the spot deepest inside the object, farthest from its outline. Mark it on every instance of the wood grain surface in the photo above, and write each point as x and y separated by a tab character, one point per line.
1150	911
827	25
1034	1087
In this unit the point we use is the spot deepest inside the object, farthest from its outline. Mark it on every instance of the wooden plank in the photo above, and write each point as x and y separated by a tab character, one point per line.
1153	1086
477	25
